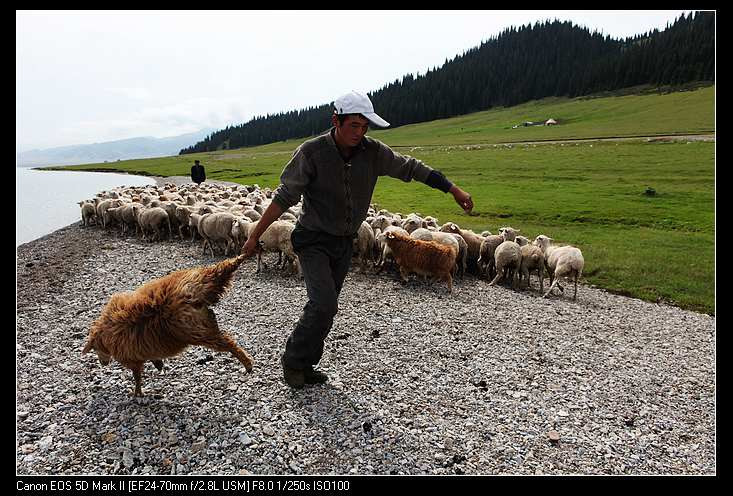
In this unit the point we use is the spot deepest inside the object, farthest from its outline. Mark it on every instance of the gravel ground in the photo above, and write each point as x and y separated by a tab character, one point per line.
483	381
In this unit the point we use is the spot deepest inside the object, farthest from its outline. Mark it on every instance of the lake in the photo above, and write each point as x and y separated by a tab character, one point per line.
47	200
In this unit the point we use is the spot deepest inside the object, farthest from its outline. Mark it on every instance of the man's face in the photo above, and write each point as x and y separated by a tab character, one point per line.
352	130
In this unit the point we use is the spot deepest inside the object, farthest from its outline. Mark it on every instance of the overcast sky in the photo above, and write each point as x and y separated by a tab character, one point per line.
93	76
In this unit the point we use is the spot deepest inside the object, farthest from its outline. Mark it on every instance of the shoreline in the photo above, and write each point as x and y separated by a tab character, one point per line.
159	181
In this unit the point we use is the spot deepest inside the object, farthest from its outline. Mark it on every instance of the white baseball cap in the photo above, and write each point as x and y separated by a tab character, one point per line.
356	103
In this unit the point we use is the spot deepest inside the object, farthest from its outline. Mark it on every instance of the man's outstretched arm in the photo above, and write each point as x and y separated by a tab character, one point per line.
462	198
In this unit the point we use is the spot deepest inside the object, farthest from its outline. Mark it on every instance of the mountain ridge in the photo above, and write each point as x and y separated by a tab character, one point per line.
110	151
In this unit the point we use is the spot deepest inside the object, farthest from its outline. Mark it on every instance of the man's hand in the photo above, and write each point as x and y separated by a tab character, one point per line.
251	247
462	198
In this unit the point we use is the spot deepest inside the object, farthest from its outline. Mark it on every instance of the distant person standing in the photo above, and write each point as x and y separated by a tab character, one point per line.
198	174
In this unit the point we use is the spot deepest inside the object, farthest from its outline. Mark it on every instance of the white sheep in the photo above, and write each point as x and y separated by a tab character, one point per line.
276	238
216	227
507	259
152	218
380	222
522	240
252	214
486	255
88	212
102	206
126	215
561	261
472	239
532	259
363	245
412	222
489	244
183	214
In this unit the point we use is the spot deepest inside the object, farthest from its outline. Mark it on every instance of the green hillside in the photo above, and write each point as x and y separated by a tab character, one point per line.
590	194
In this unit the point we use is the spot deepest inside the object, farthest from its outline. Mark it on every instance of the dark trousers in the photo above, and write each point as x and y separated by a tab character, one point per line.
325	261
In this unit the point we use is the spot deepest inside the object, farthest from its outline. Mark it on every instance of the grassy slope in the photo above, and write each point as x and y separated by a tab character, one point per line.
587	194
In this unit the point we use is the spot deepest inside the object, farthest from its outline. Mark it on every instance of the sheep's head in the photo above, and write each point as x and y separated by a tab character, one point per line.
451	228
542	241
411	223
509	233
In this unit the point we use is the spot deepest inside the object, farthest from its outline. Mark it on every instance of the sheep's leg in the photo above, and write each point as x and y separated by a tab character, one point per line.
524	273
259	261
383	259
575	293
498	276
554	283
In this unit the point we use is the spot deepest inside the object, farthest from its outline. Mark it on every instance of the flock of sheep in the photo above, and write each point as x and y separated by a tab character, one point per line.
223	217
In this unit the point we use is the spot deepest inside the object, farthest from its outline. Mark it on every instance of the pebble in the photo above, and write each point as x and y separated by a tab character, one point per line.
487	395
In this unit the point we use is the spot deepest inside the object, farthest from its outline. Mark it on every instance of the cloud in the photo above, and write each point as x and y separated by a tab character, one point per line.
159	121
132	93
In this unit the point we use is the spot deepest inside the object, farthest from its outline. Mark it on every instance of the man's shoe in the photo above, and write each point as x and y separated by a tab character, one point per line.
293	377
312	376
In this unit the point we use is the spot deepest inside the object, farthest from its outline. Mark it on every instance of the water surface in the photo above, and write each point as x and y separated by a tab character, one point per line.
47	200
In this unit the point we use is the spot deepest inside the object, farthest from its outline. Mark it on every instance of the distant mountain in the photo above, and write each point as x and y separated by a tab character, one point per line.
111	151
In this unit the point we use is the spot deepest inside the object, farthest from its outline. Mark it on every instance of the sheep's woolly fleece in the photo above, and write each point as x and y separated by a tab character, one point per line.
486	381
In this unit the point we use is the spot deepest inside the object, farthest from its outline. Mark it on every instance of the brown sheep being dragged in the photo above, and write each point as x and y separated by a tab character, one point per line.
427	258
164	316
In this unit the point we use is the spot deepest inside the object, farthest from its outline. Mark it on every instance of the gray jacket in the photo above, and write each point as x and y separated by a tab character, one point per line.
336	195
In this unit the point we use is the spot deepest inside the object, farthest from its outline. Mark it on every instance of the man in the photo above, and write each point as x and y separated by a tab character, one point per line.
198	175
335	174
